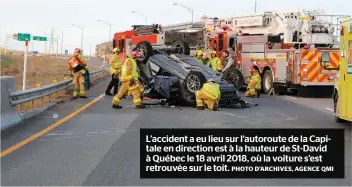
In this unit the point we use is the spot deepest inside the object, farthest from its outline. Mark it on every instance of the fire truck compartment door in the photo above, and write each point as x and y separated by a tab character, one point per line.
281	72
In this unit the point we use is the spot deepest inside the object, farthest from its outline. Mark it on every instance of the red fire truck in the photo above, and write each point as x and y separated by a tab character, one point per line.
145	38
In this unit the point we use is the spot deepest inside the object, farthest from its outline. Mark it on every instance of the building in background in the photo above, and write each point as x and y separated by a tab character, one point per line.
103	49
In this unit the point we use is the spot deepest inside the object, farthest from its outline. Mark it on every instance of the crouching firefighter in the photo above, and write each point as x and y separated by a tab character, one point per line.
208	95
254	84
129	82
77	67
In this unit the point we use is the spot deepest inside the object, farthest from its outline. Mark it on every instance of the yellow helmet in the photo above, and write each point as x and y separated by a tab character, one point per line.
213	52
199	52
115	49
210	80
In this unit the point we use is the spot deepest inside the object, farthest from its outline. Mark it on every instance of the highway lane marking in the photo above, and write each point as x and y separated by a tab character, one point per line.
290	97
329	109
51	127
231	114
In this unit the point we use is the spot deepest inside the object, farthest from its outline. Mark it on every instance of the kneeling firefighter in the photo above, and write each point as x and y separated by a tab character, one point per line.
129	82
77	67
208	95
254	84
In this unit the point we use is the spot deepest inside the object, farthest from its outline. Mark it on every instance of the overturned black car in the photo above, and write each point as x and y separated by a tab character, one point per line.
170	73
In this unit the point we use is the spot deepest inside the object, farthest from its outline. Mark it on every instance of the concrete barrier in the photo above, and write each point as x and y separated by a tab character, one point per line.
9	115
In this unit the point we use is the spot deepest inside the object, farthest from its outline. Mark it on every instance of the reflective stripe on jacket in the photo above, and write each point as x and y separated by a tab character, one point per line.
115	64
129	70
211	90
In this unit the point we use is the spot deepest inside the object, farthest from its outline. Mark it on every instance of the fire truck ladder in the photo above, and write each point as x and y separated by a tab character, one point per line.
334	22
146	29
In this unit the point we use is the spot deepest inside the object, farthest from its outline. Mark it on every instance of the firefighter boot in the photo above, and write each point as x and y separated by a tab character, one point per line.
200	107
215	106
116	106
258	93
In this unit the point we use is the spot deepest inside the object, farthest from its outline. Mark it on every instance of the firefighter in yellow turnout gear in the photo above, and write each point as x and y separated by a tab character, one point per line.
209	95
129	79
78	67
199	56
115	69
215	62
254	84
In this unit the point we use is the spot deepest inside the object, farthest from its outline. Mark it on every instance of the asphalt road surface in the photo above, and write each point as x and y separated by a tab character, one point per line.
100	145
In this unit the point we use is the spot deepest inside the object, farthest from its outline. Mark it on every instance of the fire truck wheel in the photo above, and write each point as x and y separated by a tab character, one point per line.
183	47
233	76
267	81
146	50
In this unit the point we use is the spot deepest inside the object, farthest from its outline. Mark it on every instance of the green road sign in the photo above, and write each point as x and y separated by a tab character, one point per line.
39	38
23	37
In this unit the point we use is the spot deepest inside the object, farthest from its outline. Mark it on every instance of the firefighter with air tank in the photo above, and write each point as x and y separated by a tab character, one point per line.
78	68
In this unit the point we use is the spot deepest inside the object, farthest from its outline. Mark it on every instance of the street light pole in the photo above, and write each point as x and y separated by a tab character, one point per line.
146	18
62	38
81	36
186	7
46	39
109	24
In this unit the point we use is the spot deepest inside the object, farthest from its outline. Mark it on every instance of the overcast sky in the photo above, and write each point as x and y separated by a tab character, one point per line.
32	15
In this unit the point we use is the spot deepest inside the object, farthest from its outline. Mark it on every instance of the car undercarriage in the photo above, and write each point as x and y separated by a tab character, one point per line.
170	73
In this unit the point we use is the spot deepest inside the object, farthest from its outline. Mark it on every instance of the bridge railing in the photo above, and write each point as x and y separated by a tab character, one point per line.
16	104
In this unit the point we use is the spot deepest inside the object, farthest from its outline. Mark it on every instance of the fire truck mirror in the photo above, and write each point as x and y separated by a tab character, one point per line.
325	59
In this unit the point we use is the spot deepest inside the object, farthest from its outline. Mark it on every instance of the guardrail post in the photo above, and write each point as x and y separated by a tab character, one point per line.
9	116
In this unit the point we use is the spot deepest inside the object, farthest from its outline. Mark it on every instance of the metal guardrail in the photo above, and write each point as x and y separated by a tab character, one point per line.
19	97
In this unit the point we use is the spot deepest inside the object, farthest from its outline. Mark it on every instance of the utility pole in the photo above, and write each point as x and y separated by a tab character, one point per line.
255	6
62	39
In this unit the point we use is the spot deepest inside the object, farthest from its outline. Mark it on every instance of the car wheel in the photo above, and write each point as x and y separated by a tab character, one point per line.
267	81
194	81
233	76
146	50
183	47
336	110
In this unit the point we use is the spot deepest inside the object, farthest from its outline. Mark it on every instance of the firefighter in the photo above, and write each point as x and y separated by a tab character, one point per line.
199	56
129	82
115	69
215	62
208	95
254	84
77	67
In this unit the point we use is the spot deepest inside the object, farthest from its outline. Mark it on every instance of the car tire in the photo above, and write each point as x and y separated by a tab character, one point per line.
336	105
233	76
188	89
194	81
146	50
267	82
183	47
